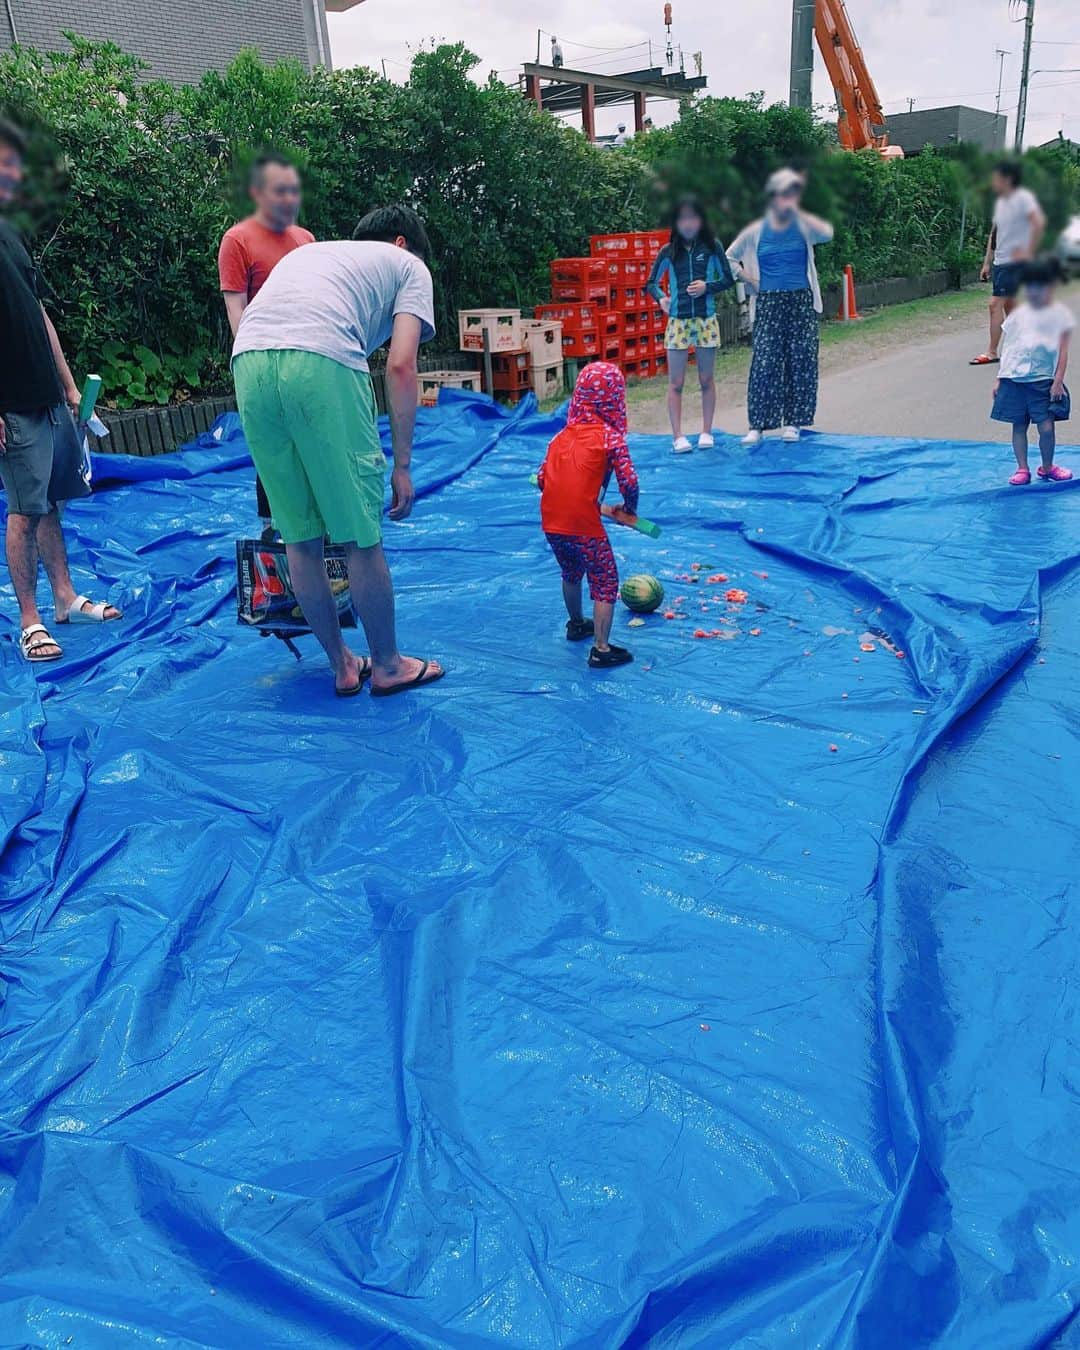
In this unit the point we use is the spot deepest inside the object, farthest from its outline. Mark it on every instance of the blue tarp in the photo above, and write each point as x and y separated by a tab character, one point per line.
550	1008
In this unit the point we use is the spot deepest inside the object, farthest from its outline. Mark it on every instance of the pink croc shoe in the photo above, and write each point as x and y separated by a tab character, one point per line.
1021	478
1055	474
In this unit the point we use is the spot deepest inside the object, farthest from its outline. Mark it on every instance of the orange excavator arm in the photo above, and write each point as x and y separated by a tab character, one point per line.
862	119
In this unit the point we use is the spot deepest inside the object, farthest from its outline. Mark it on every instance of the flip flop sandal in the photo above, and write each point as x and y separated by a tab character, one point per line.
84	610
985	360
418	681
1021	478
35	637
351	690
1055	474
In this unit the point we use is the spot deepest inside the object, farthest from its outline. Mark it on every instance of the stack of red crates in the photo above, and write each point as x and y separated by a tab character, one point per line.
603	307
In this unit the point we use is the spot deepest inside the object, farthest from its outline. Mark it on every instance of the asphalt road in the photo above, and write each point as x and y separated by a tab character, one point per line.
925	388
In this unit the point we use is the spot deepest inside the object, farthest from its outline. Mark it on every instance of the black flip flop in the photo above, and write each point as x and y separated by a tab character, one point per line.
418	681
353	689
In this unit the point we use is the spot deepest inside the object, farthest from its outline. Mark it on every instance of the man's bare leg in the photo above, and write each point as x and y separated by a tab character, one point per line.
373	599
998	310
53	551
307	569
22	560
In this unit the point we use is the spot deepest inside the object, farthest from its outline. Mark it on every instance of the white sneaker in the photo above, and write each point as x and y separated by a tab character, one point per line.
752	437
705	441
682	446
789	434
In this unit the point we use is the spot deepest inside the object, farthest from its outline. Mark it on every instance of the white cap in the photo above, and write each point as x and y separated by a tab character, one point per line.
783	180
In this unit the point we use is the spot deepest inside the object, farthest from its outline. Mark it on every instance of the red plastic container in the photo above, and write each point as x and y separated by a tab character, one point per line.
581	343
578	271
625	246
626	298
631	323
594	292
573	317
627	271
611	323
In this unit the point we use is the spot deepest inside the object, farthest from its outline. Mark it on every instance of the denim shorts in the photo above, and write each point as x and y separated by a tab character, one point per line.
1007	279
1022	402
42	465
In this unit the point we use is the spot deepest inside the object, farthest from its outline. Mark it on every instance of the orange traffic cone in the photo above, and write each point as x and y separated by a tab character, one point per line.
849	309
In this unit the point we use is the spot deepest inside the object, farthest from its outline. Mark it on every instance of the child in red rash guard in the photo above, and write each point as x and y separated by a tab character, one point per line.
579	463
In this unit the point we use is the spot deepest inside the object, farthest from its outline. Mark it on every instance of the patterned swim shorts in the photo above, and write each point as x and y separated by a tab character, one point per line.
682	334
580	556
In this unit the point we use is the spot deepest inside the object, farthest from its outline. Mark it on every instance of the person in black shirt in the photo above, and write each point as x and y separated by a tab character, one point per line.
40	450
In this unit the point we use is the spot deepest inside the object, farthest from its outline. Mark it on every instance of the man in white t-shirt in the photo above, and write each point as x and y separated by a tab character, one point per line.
1019	225
300	364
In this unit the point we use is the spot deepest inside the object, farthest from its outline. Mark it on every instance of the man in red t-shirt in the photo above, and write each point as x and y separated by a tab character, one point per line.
250	251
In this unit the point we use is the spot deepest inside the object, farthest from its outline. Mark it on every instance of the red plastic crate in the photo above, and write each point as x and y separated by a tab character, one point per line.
631	348
573	317
631	323
632	370
595	292
647	368
660	362
611	349
627	271
611	323
626	298
507	363
581	343
655	241
658	322
578	271
620	245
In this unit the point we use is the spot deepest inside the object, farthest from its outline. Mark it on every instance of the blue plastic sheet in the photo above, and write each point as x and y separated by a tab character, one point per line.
549	1008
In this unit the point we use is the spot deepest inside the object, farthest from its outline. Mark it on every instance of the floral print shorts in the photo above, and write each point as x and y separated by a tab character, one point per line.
682	334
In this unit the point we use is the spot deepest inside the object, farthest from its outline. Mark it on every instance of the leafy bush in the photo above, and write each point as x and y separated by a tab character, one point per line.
135	181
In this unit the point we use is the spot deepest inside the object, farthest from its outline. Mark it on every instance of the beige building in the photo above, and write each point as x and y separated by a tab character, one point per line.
183	38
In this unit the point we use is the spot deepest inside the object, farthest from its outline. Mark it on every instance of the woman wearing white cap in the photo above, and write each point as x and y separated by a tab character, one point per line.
775	258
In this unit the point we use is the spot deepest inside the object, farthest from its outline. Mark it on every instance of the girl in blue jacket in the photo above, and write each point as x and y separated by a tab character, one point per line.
695	268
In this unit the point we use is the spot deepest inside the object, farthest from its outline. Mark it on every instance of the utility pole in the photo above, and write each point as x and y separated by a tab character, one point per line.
911	105
1001	54
1025	76
802	53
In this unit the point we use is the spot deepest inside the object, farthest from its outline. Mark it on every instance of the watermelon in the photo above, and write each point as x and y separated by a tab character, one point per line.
642	594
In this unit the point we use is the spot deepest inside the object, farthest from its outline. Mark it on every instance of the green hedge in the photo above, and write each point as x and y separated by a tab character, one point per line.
135	181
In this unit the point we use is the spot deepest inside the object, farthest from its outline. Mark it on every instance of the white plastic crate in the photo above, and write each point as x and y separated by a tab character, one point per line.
430	382
543	340
503	327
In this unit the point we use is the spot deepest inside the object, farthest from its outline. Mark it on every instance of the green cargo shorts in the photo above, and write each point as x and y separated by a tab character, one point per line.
312	428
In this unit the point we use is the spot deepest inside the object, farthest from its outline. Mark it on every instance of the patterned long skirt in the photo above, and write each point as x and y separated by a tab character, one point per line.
784	372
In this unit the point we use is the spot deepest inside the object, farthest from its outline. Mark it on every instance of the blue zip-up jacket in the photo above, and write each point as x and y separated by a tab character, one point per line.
686	263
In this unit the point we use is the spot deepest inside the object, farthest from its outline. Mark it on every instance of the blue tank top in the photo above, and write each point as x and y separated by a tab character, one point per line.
782	259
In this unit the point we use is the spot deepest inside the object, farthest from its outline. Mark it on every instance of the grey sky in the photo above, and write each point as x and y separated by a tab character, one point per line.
936	51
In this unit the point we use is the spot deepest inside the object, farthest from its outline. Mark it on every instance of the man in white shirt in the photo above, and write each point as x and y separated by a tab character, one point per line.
300	365
1017	232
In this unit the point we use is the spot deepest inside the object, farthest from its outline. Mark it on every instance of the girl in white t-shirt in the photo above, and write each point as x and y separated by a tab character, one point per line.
1031	383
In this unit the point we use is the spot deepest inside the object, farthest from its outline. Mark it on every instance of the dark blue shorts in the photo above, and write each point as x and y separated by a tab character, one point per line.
1008	278
1024	401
